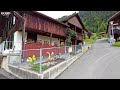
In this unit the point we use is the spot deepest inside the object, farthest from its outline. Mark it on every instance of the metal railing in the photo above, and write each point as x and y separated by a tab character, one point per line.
41	59
10	46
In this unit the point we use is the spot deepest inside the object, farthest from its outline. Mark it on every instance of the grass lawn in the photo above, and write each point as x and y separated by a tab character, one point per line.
89	41
117	44
92	39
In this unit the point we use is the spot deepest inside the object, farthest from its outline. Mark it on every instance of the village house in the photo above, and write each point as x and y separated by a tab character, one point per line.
35	45
30	30
74	22
39	28
113	30
26	30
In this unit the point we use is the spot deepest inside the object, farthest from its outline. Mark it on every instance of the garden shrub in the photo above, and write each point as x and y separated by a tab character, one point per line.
36	67
117	44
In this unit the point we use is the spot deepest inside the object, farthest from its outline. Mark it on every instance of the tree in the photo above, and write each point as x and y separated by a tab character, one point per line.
93	19
103	27
89	34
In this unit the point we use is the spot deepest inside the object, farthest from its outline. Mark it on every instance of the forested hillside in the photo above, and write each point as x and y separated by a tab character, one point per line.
94	21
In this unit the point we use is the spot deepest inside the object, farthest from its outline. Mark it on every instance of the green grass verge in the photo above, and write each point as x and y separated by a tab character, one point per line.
116	44
89	41
92	39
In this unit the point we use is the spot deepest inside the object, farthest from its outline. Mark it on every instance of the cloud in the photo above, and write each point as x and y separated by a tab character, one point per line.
57	14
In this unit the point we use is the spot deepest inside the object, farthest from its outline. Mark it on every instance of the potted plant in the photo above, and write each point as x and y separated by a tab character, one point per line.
39	42
68	42
71	33
29	40
46	42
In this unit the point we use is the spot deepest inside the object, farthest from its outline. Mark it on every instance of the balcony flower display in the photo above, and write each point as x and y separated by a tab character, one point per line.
46	42
39	42
29	40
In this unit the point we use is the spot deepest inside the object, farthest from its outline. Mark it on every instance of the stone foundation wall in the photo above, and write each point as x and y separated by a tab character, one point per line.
51	73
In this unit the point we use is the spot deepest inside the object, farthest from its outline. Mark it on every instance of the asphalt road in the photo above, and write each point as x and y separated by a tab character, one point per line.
102	61
5	75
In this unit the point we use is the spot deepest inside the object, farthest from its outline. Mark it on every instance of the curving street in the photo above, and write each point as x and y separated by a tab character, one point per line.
102	61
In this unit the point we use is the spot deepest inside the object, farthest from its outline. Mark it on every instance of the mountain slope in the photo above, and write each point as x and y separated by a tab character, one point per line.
96	21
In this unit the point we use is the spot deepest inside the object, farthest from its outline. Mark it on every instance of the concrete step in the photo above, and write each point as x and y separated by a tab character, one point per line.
1	58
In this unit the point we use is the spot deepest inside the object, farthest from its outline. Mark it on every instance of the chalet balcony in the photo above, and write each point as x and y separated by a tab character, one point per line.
116	28
42	24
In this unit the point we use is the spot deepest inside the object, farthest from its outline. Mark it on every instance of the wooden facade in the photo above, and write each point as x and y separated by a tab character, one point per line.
39	23
36	22
43	24
74	22
115	25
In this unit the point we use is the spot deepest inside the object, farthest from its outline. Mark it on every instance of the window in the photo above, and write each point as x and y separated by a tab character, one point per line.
32	36
14	20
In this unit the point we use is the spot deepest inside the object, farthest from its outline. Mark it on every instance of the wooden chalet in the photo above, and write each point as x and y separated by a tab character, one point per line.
38	27
114	26
34	30
40	30
74	22
31	30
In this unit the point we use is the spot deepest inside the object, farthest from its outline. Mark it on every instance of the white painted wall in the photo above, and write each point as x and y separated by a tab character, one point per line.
18	40
55	40
41	37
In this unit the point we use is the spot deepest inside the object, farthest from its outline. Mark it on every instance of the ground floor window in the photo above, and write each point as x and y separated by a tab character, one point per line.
31	37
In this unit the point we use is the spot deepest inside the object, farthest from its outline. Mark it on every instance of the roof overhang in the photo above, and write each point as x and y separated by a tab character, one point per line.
38	13
114	16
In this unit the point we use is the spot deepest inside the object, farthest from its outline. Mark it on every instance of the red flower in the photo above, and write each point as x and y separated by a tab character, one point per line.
29	39
46	40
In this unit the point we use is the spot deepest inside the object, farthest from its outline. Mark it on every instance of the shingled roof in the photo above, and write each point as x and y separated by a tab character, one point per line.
114	16
47	17
71	16
68	17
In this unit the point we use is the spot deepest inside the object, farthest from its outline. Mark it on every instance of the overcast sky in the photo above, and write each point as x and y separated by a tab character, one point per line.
57	14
